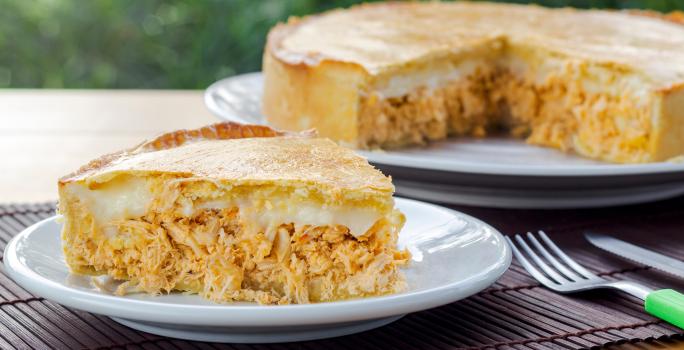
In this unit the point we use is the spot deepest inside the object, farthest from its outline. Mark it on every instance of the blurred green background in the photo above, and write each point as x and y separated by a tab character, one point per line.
156	44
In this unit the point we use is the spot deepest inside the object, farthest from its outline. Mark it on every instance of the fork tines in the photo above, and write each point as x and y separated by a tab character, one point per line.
554	268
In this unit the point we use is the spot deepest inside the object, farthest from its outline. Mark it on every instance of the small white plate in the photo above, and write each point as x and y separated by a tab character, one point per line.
481	171
453	256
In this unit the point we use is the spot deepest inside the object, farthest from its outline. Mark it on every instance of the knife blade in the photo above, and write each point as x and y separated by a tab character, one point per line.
638	254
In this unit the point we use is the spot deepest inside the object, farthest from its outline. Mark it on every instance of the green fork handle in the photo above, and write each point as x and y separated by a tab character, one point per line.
667	305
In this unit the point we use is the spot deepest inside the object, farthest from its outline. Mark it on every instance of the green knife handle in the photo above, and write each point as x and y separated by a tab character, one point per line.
667	305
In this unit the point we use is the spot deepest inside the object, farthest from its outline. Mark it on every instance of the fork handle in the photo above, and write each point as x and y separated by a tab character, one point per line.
666	304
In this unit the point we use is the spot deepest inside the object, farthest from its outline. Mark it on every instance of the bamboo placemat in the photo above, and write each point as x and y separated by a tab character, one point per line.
515	313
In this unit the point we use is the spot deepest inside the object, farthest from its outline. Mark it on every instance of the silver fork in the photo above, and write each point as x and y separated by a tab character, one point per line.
568	277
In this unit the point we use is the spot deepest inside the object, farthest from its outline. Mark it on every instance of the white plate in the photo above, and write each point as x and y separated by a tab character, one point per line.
525	198
477	171
454	256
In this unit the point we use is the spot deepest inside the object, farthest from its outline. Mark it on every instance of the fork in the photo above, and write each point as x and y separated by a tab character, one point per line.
567	276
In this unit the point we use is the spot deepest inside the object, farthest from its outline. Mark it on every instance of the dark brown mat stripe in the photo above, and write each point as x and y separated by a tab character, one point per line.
514	313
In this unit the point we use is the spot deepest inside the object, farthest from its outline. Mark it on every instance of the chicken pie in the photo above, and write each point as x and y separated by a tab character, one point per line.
235	213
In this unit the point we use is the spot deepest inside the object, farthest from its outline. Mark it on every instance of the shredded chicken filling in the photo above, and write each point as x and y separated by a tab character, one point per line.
557	112
214	253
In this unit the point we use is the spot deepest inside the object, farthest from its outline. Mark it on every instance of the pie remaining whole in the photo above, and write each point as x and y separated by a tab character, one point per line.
235	212
607	85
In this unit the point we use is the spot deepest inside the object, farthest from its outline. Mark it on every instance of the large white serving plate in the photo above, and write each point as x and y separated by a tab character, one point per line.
453	256
482	171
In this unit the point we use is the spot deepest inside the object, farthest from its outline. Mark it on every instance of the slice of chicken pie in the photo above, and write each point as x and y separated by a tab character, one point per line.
235	213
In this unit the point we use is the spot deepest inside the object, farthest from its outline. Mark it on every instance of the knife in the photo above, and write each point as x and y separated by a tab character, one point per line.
635	253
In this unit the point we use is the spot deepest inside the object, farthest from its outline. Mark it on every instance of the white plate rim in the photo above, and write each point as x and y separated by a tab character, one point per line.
254	316
388	159
529	170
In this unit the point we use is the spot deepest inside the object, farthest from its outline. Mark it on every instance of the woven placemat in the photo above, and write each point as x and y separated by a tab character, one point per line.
515	313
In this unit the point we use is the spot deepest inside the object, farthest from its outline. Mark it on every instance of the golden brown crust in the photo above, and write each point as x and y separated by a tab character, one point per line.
674	16
245	155
380	37
218	131
302	96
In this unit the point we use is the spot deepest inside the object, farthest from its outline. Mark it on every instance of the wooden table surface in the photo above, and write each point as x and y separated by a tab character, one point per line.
45	134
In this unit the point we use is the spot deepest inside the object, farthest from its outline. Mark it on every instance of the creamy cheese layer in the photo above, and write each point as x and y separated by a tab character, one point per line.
117	199
132	198
402	84
534	66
